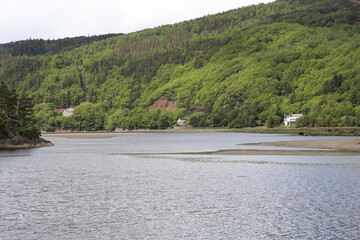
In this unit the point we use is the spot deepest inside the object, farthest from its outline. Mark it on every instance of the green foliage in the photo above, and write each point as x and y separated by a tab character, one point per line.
270	122
47	118
241	68
198	119
88	116
140	118
16	115
332	85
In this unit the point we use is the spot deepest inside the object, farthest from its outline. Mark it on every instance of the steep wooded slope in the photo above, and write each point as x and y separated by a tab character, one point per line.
238	68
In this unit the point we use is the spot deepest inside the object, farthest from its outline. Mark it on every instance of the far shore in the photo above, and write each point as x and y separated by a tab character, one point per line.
308	131
89	135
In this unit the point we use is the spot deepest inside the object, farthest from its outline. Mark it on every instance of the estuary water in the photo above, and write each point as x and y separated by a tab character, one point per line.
127	188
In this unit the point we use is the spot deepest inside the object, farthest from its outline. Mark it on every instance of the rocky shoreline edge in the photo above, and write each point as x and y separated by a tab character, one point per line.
19	142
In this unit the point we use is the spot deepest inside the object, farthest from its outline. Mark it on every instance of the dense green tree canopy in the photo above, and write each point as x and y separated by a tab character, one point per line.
245	67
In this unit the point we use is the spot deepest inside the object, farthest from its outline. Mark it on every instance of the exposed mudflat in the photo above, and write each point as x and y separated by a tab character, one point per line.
345	147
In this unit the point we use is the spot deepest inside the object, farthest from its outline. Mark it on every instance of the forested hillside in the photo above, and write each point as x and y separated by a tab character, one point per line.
245	67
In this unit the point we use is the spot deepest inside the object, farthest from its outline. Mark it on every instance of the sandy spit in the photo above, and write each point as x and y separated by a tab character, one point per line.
285	152
345	147
338	144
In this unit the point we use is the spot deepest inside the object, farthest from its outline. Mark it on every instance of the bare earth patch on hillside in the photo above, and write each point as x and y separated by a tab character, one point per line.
164	103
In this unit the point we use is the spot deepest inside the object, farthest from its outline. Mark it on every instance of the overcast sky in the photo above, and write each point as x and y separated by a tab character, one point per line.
53	19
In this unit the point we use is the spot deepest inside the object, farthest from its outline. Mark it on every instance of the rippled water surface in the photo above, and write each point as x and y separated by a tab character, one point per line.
126	188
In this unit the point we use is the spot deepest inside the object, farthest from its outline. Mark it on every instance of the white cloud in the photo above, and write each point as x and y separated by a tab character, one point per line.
51	19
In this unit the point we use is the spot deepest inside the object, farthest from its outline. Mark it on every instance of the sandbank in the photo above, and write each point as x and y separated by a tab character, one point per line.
285	152
89	135
343	147
338	144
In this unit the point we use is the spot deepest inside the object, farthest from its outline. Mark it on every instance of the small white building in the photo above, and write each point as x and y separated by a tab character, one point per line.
291	119
68	112
182	121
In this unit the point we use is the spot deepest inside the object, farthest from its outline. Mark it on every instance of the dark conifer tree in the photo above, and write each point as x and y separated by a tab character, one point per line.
16	115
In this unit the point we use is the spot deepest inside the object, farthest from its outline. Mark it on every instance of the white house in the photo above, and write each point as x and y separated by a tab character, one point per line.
291	119
182	121
68	112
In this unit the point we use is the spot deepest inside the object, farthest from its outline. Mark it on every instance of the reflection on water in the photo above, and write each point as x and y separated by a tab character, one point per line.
100	189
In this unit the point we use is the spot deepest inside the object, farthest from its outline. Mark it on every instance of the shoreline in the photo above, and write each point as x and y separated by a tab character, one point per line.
307	131
9	144
90	135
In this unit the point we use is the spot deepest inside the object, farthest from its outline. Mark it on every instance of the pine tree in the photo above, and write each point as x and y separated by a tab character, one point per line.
8	99
16	115
25	114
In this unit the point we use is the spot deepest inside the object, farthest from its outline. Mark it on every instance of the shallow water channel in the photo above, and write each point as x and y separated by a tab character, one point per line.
127	188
